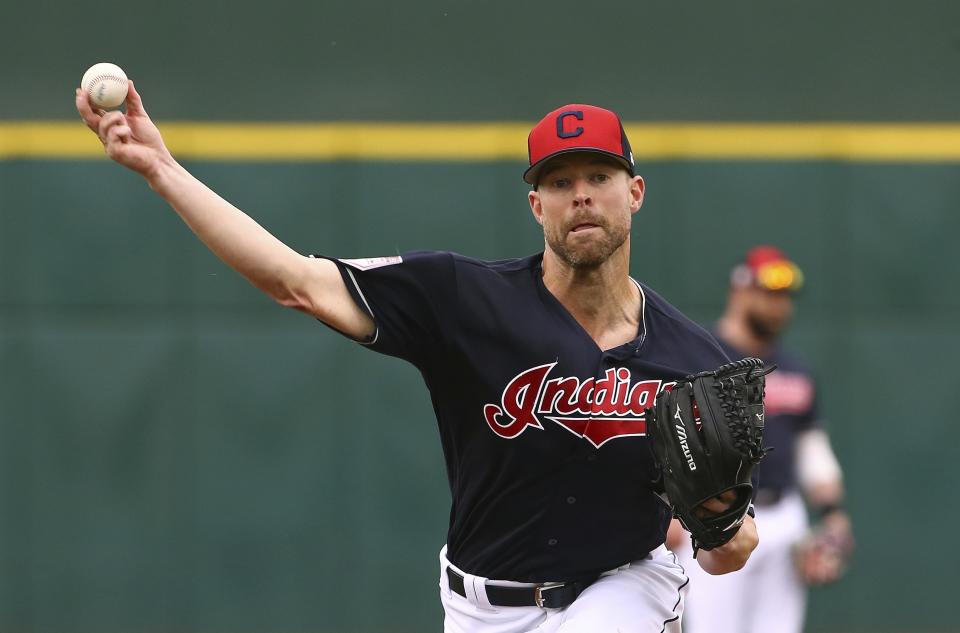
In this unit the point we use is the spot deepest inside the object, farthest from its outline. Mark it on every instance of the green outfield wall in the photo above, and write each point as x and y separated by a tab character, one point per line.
179	454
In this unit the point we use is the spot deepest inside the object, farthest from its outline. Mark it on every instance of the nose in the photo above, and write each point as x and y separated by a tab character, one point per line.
581	194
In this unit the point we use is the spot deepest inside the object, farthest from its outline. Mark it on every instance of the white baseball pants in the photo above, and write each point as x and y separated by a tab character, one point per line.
645	596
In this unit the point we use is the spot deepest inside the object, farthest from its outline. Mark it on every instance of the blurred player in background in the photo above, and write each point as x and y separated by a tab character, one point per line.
769	594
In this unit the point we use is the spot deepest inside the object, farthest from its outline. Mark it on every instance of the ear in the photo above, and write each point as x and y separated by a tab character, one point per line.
534	199
636	193
739	298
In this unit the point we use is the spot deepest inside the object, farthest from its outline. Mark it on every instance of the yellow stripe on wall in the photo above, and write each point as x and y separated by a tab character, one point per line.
894	142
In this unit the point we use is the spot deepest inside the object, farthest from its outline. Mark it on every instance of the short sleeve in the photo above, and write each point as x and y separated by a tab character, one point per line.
411	297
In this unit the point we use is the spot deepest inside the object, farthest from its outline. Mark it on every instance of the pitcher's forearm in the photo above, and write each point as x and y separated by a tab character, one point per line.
314	286
233	236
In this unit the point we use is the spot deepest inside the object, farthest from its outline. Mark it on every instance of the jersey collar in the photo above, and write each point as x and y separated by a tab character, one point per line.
630	347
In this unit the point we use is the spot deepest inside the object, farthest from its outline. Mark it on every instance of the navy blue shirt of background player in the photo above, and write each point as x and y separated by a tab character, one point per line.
790	408
543	432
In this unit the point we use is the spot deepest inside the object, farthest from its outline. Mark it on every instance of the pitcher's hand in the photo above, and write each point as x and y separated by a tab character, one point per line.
130	139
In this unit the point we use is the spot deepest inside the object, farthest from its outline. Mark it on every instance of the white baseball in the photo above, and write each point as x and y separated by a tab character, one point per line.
106	84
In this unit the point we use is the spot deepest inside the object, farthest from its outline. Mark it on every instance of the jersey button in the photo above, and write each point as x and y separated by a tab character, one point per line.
552	541
592	457
571	500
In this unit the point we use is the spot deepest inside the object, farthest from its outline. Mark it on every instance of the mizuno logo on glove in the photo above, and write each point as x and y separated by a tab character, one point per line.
682	436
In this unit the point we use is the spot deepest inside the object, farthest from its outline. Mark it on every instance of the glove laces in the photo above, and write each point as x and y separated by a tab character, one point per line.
736	396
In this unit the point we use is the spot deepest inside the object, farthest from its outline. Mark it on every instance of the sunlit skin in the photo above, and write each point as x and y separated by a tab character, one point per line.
585	203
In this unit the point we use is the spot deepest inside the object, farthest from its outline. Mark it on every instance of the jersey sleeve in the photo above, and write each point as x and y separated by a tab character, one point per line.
411	298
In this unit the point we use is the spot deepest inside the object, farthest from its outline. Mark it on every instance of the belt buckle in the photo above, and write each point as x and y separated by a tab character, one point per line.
538	594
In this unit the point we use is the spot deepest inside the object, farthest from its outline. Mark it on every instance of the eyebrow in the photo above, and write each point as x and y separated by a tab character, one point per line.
598	160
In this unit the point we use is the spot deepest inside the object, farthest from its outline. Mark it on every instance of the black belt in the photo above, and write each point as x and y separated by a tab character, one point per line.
549	597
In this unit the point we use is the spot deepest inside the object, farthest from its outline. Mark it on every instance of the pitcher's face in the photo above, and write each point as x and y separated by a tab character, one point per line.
585	202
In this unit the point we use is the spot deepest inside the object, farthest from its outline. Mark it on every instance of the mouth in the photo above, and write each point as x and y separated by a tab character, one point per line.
585	226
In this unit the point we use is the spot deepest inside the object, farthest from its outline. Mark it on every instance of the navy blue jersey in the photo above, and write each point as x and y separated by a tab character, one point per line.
790	406
543	432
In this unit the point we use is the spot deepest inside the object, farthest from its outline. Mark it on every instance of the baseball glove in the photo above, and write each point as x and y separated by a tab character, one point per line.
706	434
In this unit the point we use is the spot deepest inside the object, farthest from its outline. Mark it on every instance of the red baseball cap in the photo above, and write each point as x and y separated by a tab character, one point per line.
577	128
767	267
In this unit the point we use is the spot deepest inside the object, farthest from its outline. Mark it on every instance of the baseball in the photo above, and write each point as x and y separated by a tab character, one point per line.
106	84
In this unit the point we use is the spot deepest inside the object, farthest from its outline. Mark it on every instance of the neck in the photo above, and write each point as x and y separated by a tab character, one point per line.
734	330
603	299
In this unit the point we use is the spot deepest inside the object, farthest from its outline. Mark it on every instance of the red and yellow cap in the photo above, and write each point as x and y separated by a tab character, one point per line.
577	128
767	267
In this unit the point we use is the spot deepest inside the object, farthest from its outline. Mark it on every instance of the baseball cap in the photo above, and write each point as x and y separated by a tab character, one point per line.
769	268
577	128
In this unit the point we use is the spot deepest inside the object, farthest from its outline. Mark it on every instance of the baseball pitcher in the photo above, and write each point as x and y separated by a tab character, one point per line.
544	372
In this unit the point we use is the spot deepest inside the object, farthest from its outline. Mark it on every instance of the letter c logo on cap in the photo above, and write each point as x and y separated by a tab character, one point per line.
578	114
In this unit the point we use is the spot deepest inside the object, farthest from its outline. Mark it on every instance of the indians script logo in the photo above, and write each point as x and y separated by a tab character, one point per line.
597	410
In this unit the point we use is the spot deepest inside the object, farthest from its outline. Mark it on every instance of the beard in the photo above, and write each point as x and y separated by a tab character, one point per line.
764	329
592	253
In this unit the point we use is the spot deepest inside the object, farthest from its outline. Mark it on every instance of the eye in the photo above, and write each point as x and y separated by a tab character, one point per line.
601	177
560	183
